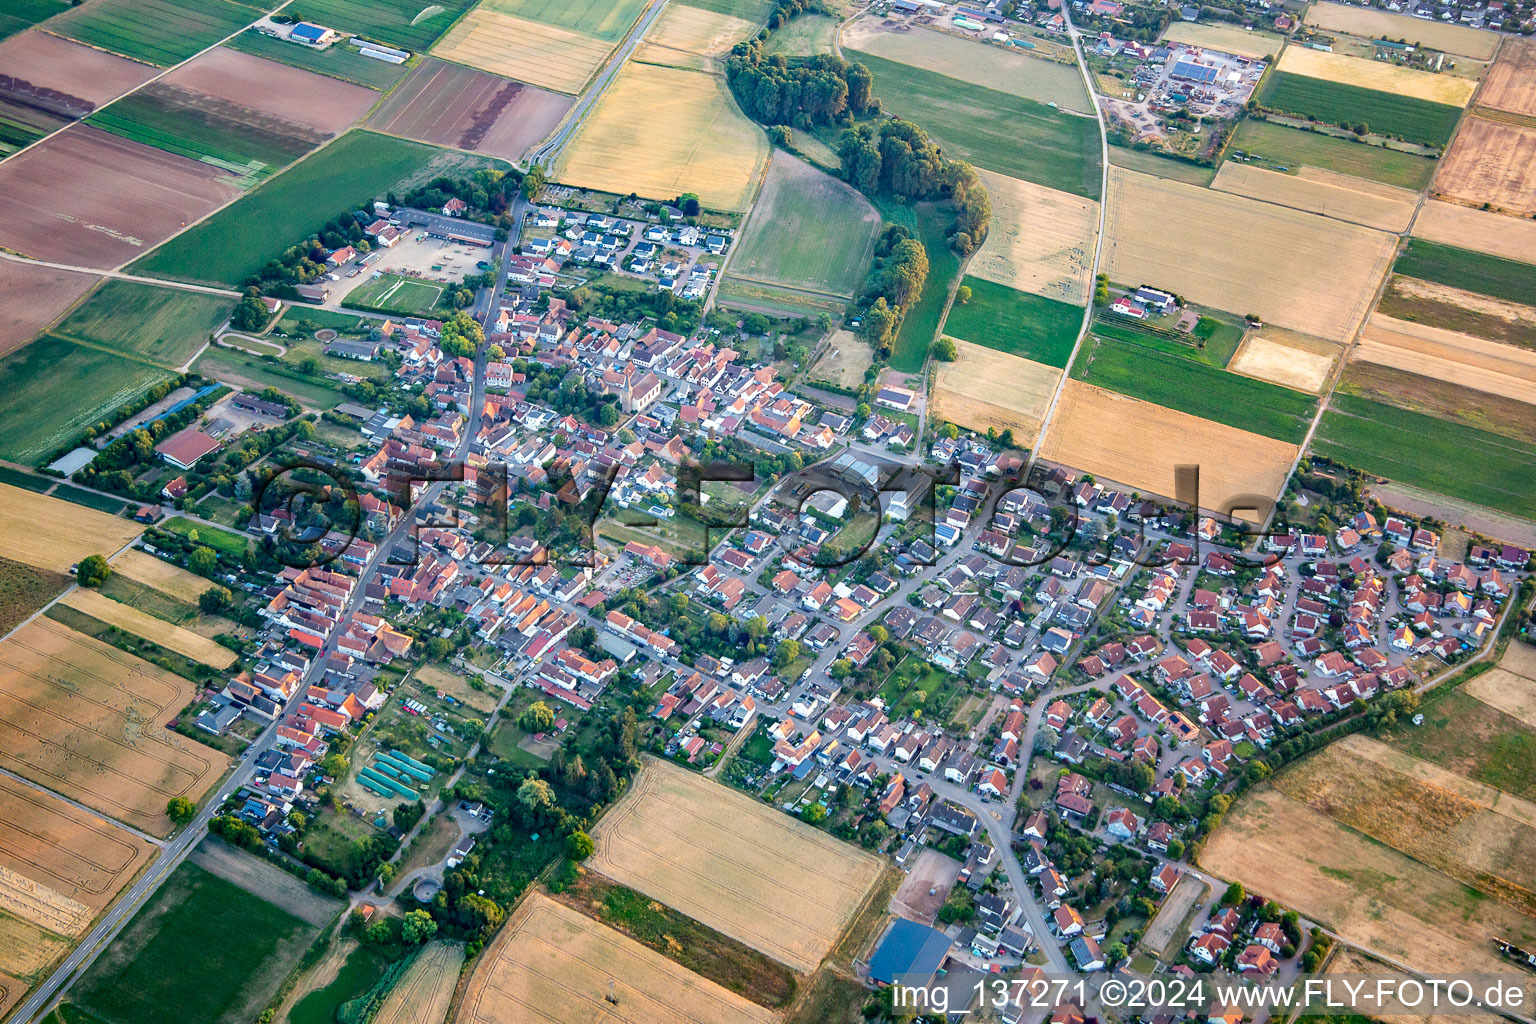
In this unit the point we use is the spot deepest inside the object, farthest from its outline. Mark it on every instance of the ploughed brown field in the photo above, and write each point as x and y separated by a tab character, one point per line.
66	77
122	198
279	90
32	297
451	105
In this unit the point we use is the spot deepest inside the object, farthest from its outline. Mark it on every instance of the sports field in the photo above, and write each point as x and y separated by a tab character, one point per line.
235	243
1001	132
160	32
1450	356
157	631
660	132
1226	38
1329	193
1470	271
1425	451
88	721
1341	103
1040	241
1510	84
1449	224
1377	24
237	946
407	24
1219	250
32	297
396	294
985	388
1286	358
1491	162
1012	321
1139	444
341	62
165	326
1003	69
730	862
553	963
1280	146
35	420
807	231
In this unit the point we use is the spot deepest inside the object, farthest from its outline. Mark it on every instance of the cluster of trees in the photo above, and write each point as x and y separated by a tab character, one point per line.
895	281
462	335
248	837
93	571
671	312
487	192
897	158
108	471
801	92
127	409
251	314
565	391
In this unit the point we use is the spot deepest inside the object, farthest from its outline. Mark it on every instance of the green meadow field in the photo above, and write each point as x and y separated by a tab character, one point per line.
22	14
404	24
1289	147
341	62
920	326
1470	271
1003	133
165	326
55	388
160	32
1406	117
1015	322
396	294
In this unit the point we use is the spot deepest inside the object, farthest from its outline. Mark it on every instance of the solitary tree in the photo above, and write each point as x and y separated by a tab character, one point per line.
180	810
417	927
92	571
579	845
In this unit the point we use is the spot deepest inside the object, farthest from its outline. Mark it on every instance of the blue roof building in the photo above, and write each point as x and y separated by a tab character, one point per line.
309	34
910	952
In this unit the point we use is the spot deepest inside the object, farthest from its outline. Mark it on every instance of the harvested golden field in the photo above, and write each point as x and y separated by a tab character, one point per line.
26	951
661	131
556	965
843	363
528	51
160	575
88	721
1340	196
1226	38
1510	84
59	865
156	631
423	993
1040	241
1138	444
697	31
1491	162
742	867
1286	358
1450	356
1374	24
1372	74
987	388
1467	830
1511	688
1367	892
54	534
1219	250
32	297
1346	960
11	989
1510	237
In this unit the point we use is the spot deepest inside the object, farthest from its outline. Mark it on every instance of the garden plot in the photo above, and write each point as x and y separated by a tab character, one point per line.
1040	241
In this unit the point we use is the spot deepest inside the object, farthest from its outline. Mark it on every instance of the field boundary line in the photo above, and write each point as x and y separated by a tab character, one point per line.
77	805
118	275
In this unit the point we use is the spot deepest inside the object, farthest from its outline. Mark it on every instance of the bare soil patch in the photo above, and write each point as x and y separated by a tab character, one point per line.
743	868
843	363
1138	444
1340	196
1162	935
123	198
932	871
450	105
33	297
1511	237
54	534
1511	693
1491	162
1450	357
64	77
1510	84
987	388
1286	358
1041	240
278	90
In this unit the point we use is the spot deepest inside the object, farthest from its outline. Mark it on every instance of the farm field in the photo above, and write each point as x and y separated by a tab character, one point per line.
124	197
805	35
751	10
1003	69
22	14
1377	76
987	388
1372	23
1040	240
396	294
556	962
1367	892
807	231
236	242
138	28
1138	444
163	326
157	631
661	131
920	324
1149	162
88	720
407	24
1286	358
238	946
21	125
1491	162
24	589
423	993
1154	225
607	20
1478	272
52	534
60	865
162	576
1440	400
340	62
1226	38
1413	119
1183	384
1424	451
34	422
282	92
1510	83
1012	321
694	30
1017	137
75	78
1510	688
1282	146
1450	357
1437	305
449	105
1490	233
164	607
32	297
1328	193
734	864
525	50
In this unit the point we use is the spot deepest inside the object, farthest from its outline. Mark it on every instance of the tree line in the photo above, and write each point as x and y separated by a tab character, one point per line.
897	158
